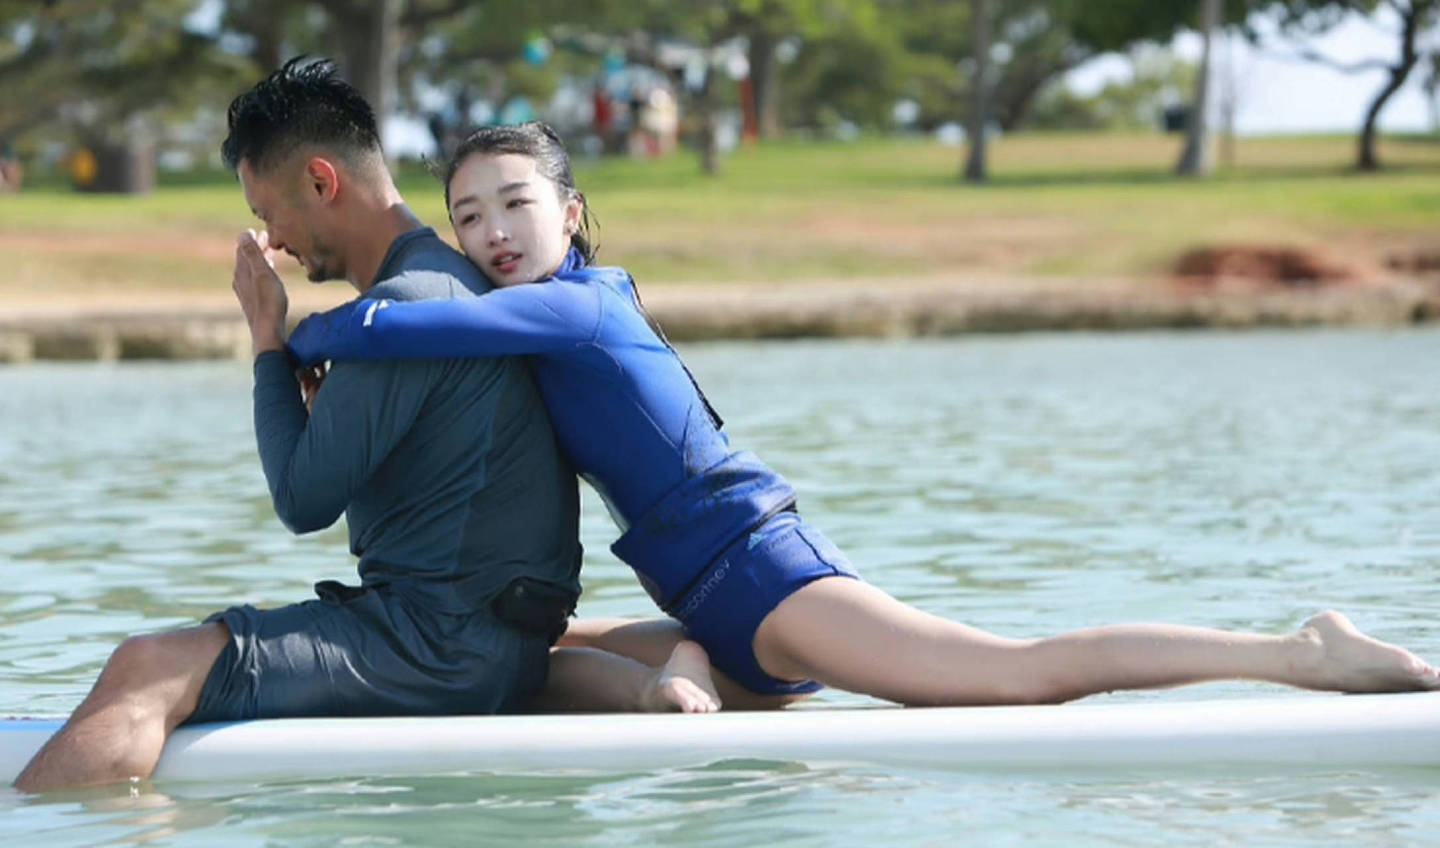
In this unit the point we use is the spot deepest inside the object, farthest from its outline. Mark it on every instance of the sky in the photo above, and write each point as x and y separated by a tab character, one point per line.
1287	96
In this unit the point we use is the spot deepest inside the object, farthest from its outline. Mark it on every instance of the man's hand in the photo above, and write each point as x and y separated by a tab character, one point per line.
260	292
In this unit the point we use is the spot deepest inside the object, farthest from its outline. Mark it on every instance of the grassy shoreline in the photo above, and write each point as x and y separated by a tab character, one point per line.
1067	219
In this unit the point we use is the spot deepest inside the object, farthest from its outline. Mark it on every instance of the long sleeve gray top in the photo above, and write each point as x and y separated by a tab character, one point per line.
446	469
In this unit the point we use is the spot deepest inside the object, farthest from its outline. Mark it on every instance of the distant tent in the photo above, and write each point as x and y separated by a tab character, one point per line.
1175	119
105	168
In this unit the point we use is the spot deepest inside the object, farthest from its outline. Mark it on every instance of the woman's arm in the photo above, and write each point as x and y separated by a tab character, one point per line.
525	319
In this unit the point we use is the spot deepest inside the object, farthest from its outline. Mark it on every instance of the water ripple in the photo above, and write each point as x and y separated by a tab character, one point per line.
1024	485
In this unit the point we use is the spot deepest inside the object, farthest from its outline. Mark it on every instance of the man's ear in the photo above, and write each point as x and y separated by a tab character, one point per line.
322	179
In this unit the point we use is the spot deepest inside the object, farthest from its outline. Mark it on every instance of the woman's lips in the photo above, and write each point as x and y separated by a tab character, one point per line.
506	263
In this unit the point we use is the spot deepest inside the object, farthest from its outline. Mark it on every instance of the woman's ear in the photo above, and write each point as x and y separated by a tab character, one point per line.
574	209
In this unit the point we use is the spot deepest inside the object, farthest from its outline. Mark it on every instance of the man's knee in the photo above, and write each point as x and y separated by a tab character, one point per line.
135	659
164	655
163	670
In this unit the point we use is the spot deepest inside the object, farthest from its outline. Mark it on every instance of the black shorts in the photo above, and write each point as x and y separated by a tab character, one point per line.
368	652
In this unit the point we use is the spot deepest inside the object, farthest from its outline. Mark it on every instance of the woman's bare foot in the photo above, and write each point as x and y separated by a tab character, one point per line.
684	684
1339	657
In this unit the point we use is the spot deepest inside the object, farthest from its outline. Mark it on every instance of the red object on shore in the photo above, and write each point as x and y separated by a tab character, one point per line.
750	128
604	112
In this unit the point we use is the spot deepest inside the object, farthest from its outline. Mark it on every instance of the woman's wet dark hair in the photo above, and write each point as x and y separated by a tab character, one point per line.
541	143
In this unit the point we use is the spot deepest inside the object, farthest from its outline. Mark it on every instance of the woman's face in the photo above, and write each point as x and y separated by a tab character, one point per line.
510	219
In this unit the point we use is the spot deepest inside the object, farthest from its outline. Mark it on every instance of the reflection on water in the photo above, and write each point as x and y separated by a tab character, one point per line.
1023	484
755	803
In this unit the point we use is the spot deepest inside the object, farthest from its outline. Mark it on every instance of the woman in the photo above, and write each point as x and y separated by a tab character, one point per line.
713	533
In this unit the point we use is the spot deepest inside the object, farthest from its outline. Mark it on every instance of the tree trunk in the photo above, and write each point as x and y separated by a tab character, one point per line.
1366	160
369	50
269	34
1229	105
264	22
708	132
702	105
979	91
765	82
1012	97
1195	159
709	144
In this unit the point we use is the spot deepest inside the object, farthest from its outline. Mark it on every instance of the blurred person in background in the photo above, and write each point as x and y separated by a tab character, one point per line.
12	173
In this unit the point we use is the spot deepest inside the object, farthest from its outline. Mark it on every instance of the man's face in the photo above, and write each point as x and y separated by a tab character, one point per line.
285	199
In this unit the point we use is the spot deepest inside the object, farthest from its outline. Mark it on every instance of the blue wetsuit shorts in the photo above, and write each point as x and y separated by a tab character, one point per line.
368	652
725	605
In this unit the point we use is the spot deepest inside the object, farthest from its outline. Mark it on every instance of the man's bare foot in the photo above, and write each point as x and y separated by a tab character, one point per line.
1339	657
684	684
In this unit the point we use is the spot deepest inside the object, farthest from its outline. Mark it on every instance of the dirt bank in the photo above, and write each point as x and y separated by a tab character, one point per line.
207	324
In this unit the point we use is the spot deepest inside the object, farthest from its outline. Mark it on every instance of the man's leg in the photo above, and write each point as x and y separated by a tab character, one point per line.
148	687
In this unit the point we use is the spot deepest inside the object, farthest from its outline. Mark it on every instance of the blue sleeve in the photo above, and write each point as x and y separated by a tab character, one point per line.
314	463
525	319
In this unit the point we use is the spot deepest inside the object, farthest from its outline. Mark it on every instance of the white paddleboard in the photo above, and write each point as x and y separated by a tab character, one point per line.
1330	731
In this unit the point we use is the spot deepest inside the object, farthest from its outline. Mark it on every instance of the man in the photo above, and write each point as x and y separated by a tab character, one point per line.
461	511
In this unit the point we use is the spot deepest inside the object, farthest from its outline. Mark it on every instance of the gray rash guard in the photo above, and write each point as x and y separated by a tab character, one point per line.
446	469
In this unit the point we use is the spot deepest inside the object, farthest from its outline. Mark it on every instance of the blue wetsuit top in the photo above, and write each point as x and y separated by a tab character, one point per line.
623	406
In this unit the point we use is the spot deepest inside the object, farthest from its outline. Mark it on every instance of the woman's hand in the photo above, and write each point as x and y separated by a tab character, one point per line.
310	380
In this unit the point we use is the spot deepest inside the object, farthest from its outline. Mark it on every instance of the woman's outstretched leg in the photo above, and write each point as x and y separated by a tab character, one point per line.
850	635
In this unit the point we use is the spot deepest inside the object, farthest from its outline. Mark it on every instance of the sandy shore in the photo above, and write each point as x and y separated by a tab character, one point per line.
190	325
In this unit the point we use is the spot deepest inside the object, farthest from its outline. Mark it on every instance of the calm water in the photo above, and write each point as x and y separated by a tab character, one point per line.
1023	484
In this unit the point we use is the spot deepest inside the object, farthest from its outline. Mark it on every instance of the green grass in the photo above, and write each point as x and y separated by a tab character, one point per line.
1077	205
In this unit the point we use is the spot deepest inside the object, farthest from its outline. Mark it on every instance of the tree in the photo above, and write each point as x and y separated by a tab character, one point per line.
1310	17
364	37
1158	78
1115	24
979	91
107	72
366	40
766	24
1040	49
1002	59
1431	85
491	52
693	43
270	31
1195	159
853	70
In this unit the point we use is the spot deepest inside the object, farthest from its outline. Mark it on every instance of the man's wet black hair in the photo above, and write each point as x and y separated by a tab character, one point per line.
302	104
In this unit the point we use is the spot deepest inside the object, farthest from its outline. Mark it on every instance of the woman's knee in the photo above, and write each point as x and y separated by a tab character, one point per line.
1031	679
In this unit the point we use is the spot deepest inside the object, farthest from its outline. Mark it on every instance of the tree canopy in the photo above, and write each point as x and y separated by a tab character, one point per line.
115	68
